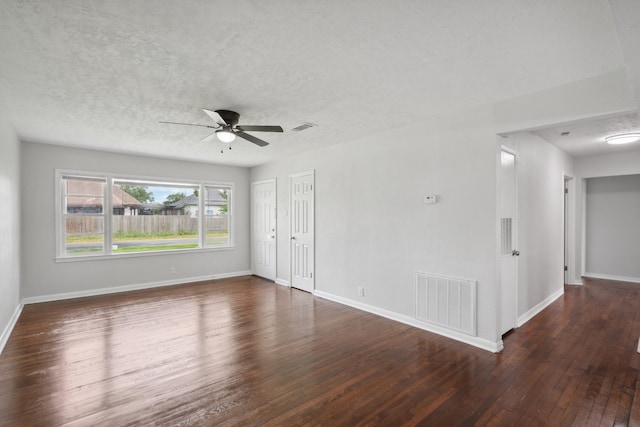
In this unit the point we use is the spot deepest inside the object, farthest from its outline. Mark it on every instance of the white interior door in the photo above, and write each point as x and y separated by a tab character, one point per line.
507	212
301	188
263	228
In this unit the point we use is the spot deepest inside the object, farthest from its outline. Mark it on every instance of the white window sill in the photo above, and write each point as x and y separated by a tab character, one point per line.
100	257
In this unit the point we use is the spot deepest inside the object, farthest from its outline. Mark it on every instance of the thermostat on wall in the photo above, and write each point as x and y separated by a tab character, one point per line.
431	199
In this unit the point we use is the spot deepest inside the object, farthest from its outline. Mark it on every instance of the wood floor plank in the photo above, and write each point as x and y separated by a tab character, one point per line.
244	351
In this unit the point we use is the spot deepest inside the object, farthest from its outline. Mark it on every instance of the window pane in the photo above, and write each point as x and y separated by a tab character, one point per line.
83	196
217	215
149	216
83	207
84	234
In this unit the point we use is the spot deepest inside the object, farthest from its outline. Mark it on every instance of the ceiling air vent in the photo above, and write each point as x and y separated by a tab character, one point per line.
303	126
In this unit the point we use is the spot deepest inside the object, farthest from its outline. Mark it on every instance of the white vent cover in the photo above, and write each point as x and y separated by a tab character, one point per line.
446	301
303	126
506	239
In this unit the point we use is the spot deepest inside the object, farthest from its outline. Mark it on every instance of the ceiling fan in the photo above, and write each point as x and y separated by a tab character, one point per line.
227	127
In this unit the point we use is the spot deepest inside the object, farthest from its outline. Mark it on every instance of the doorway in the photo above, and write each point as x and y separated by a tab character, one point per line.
301	192
263	228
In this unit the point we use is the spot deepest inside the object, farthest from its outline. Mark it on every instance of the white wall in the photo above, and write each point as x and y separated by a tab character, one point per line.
9	225
373	228
608	165
42	275
612	246
605	94
541	169
592	167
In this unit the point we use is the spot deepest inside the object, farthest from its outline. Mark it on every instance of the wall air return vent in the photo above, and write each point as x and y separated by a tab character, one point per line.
446	301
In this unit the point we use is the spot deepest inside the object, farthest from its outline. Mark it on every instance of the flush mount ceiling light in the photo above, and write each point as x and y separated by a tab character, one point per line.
623	138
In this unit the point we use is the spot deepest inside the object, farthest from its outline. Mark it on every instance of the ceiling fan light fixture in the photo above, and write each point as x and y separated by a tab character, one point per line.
623	138
227	128
225	135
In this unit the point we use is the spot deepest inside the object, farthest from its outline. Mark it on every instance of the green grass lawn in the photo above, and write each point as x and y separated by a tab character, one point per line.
154	248
124	237
144	240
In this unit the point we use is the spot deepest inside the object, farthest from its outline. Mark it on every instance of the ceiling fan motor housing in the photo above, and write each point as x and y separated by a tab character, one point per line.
230	117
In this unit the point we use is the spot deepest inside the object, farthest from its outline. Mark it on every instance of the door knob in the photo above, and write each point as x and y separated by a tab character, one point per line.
272	236
293	238
515	253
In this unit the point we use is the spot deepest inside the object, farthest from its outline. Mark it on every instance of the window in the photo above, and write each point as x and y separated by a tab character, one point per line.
109	215
168	224
216	204
83	214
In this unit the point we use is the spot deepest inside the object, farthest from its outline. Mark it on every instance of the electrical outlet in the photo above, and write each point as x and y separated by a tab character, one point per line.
172	270
360	291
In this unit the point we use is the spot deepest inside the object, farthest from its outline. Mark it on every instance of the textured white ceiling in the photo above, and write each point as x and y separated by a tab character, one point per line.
102	74
586	138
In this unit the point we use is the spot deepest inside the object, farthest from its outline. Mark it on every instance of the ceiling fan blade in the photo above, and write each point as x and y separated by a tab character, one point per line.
208	137
215	117
251	138
250	128
189	124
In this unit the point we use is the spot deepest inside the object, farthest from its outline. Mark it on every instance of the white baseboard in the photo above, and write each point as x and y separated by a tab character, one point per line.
539	307
134	287
612	277
407	320
226	275
9	328
282	282
574	281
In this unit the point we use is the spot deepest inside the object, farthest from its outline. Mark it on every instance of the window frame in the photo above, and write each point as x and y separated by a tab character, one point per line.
61	216
202	204
61	254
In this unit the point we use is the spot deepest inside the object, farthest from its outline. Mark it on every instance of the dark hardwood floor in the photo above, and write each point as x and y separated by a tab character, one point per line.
245	351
